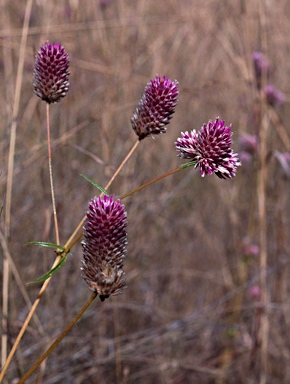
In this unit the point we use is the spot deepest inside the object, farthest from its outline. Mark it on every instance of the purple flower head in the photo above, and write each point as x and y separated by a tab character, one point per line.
51	74
249	143
104	3
261	65
273	95
210	149
104	246
255	292
156	107
249	248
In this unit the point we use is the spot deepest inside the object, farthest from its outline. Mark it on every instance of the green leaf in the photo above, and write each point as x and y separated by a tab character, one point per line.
95	184
186	165
44	244
50	273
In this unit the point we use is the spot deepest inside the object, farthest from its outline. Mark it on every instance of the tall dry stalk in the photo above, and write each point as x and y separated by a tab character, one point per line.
10	169
262	210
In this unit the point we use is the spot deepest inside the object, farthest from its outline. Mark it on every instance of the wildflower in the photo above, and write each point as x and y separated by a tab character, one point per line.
255	292
156	107
249	248
210	149
249	143
50	77
273	95
104	246
261	65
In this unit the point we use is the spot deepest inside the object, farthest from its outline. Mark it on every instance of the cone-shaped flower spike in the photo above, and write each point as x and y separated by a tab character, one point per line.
51	74
156	107
104	246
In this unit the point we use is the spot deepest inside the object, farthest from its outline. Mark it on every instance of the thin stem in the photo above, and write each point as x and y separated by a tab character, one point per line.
18	280
262	201
57	260
261	190
26	322
118	358
122	164
77	236
50	175
58	339
15	111
151	182
10	169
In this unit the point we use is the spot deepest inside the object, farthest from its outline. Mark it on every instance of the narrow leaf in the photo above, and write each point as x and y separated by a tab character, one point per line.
51	272
95	184
44	244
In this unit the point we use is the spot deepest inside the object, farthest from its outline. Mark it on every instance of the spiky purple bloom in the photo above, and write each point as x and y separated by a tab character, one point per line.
104	246
156	107
210	149
51	74
273	95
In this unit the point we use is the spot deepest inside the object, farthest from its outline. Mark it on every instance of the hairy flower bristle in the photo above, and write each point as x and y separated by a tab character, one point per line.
104	246
210	149
51	74
156	107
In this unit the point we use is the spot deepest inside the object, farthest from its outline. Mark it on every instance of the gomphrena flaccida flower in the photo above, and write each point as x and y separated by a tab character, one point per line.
249	143
273	96
261	66
210	149
104	246
156	107
51	74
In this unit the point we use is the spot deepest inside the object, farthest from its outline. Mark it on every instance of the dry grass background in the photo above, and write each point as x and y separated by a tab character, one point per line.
186	316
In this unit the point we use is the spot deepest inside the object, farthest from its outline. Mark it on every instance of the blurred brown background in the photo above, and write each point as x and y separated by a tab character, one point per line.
191	311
